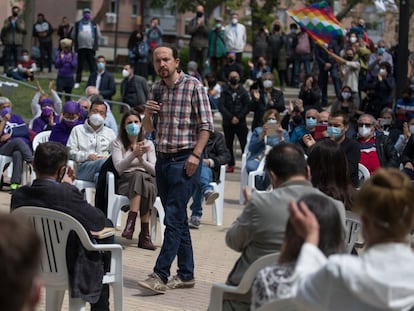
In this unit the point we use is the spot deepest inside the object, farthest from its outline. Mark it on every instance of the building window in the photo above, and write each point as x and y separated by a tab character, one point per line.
112	6
135	8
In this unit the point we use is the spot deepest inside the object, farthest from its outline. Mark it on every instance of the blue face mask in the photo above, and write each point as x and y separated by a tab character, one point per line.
310	123
100	66
381	50
133	129
334	132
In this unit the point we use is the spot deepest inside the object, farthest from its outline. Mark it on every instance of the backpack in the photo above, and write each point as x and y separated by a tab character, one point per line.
303	46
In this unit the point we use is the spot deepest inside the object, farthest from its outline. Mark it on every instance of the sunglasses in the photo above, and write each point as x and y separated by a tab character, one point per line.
364	124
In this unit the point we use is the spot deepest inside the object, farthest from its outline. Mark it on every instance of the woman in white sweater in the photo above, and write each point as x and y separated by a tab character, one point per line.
134	160
382	278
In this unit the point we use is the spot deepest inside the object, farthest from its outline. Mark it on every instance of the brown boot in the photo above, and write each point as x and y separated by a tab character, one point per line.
145	238
130	226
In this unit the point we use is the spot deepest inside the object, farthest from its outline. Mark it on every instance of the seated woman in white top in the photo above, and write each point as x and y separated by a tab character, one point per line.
134	160
276	281
382	278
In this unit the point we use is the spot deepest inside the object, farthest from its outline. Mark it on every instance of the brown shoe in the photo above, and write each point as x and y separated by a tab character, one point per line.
145	242
130	226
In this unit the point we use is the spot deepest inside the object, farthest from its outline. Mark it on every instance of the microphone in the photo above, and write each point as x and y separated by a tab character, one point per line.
157	98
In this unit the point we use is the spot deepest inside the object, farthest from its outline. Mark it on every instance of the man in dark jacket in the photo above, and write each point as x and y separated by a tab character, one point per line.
234	106
215	155
53	189
134	89
199	30
102	79
42	34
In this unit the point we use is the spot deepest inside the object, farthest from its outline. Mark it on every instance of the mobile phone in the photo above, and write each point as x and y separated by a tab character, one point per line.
271	129
319	129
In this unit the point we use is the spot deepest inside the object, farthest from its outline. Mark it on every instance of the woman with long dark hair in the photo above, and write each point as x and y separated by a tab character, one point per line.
329	171
134	159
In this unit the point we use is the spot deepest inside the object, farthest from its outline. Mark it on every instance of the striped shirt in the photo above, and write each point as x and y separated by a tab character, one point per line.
185	111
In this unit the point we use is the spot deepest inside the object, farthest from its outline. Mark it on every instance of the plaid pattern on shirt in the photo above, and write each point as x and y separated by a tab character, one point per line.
185	110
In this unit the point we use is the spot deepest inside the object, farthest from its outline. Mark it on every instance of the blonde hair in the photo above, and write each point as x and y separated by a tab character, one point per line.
386	200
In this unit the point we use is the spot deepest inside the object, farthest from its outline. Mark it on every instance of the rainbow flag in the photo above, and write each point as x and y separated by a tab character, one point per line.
319	22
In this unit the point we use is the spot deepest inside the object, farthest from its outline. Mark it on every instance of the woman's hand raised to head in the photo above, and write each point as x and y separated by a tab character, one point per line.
304	221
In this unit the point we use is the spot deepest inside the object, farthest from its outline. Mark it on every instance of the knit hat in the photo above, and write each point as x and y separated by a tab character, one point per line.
86	10
47	102
71	107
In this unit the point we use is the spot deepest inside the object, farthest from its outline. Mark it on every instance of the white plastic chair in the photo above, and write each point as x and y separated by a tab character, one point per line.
4	160
117	201
87	186
54	227
252	175
244	176
218	289
353	229
41	137
363	173
219	203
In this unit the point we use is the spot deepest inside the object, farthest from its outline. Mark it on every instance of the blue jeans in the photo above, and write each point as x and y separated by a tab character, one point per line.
206	177
89	170
175	189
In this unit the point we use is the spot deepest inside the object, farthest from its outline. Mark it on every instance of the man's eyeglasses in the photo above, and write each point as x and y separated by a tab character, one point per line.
364	124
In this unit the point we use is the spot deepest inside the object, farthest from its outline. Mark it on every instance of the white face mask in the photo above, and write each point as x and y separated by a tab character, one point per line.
382	72
353	39
412	129
96	119
267	84
271	121
234	21
125	73
25	58
364	131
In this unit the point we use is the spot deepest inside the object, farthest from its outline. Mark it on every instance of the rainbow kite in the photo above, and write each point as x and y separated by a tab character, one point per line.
319	22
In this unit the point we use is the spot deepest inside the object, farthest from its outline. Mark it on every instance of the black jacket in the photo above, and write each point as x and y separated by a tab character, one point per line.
234	103
260	107
217	151
85	268
387	154
141	87
107	86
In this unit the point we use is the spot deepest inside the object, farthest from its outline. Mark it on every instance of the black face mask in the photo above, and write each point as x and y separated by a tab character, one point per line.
211	83
230	60
233	81
276	28
15	14
297	119
199	14
61	174
349	58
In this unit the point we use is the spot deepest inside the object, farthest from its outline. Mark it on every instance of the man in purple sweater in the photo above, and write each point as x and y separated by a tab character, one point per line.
14	141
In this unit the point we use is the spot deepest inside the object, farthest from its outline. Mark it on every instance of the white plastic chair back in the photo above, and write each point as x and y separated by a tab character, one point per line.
53	227
363	173
244	175
41	137
218	289
157	208
219	203
353	228
282	305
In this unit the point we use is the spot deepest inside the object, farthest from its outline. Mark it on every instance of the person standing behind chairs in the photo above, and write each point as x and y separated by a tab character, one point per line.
42	34
234	106
66	62
217	50
102	79
134	89
134	159
20	259
154	37
138	53
235	37
64	30
199	31
12	34
85	37
184	123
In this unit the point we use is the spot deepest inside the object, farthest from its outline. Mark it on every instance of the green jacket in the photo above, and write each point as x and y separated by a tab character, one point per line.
216	44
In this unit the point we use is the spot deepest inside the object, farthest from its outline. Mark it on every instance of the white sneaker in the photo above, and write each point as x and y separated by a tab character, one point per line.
76	86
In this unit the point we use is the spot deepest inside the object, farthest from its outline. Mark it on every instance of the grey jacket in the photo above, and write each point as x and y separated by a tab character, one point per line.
13	35
260	228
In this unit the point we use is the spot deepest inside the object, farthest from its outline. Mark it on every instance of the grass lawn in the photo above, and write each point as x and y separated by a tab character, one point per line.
21	96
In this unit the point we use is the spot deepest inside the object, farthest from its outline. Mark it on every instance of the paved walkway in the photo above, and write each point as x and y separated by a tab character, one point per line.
213	259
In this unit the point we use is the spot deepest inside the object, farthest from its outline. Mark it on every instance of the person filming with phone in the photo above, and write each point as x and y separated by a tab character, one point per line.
262	140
